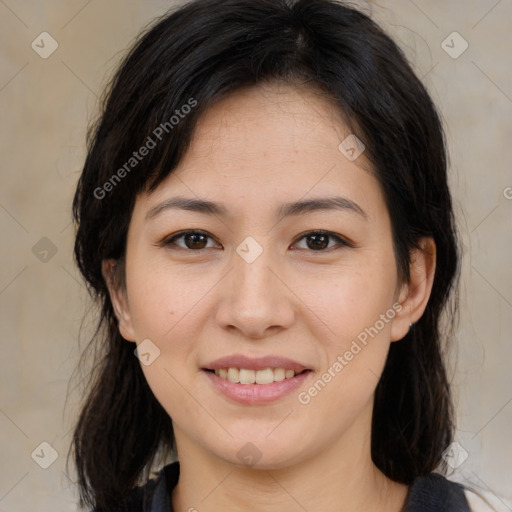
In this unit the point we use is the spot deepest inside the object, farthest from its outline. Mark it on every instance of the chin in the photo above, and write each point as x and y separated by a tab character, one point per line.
260	452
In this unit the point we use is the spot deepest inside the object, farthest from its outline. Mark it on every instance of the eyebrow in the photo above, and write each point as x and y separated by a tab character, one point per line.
285	210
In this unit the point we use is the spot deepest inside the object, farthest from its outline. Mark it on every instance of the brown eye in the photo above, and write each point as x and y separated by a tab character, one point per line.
195	240
192	239
317	242
320	240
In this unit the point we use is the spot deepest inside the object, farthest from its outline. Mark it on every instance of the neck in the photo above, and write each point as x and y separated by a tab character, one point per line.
341	478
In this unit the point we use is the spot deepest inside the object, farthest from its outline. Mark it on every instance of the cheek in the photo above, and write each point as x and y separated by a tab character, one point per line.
352	300
165	307
359	311
354	362
161	297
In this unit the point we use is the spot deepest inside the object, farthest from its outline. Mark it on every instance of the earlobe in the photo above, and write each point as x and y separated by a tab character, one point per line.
415	294
118	297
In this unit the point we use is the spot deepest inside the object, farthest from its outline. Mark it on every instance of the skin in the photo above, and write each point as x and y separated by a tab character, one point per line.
253	151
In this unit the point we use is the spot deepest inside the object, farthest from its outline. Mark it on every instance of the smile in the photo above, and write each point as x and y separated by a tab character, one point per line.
255	380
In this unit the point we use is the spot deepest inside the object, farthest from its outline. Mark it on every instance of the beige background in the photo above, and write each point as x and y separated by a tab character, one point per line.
45	106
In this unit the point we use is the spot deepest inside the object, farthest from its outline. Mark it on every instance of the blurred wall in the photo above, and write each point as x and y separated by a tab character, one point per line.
55	58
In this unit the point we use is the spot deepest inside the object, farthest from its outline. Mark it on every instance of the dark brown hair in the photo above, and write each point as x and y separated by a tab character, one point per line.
203	52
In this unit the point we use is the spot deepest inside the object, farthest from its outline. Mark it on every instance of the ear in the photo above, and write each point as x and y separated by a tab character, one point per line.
414	295
117	292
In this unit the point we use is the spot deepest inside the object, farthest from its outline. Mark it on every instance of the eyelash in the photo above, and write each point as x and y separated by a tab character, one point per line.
341	241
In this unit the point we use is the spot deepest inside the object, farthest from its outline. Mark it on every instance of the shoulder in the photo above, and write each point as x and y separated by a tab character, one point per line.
155	494
434	492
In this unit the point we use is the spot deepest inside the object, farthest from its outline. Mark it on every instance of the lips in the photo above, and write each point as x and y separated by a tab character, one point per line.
254	381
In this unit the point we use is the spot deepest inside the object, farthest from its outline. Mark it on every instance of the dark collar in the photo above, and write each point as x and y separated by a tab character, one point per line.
167	480
434	493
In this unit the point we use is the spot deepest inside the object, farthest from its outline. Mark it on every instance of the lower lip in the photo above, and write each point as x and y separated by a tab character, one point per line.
255	394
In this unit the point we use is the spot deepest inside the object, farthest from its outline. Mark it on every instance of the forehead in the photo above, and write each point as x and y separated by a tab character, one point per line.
264	143
266	119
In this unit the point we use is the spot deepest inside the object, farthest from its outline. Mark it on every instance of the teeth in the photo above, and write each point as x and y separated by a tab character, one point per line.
264	376
247	376
233	375
279	374
244	376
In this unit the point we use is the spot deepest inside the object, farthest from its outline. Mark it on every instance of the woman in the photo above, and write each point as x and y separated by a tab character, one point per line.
265	221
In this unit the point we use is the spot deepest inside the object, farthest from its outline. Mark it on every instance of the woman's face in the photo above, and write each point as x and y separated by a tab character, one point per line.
257	291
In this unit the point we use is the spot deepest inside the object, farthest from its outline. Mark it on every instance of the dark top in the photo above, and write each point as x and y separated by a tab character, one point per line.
430	493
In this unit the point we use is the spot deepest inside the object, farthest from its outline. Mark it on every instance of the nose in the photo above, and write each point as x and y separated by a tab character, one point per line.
256	299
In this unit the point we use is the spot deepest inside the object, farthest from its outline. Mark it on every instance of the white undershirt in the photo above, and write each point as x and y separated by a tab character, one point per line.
477	504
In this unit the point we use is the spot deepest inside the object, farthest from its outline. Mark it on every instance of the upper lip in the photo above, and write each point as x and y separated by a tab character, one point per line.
255	363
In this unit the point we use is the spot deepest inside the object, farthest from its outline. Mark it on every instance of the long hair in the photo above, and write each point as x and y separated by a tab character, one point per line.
195	56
